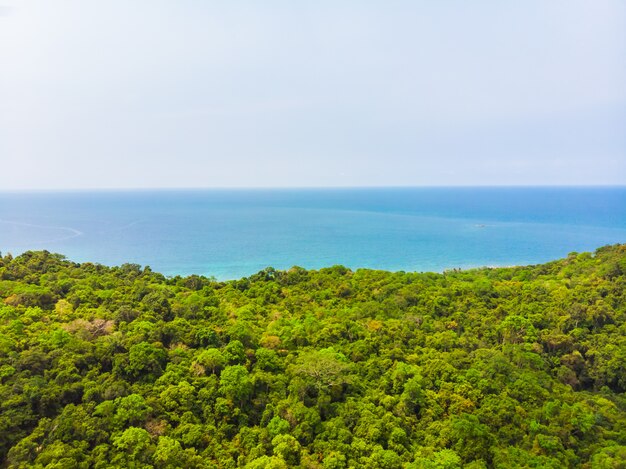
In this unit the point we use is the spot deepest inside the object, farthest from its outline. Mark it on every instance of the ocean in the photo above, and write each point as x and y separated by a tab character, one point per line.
229	234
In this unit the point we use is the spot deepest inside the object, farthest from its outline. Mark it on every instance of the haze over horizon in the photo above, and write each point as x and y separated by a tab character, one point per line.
199	95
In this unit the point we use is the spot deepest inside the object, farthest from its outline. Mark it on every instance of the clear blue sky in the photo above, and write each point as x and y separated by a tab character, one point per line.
334	93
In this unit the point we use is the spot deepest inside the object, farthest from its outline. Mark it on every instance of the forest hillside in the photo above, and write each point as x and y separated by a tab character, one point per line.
121	367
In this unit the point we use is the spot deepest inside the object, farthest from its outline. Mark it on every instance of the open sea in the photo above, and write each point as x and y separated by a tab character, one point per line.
229	234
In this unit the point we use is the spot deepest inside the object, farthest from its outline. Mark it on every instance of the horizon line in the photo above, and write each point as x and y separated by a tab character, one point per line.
261	188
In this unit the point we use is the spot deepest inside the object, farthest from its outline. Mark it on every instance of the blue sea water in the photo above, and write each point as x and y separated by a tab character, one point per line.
228	234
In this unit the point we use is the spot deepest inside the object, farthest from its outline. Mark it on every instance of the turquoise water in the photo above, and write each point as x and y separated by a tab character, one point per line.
233	233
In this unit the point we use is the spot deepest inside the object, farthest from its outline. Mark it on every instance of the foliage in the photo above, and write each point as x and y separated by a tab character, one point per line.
122	367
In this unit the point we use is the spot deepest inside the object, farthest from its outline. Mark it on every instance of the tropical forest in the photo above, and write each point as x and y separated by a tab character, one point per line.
122	367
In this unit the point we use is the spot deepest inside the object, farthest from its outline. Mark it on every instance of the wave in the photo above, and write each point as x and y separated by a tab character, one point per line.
73	232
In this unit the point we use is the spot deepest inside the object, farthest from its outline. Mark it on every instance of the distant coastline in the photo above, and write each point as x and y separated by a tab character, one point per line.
233	233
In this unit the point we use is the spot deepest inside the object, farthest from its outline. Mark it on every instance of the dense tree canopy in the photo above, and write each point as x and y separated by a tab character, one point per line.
122	367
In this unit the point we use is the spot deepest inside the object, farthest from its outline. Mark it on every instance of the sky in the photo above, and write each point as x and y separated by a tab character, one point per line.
191	93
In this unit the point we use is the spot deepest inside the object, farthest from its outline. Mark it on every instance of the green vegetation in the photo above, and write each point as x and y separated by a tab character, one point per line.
121	367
